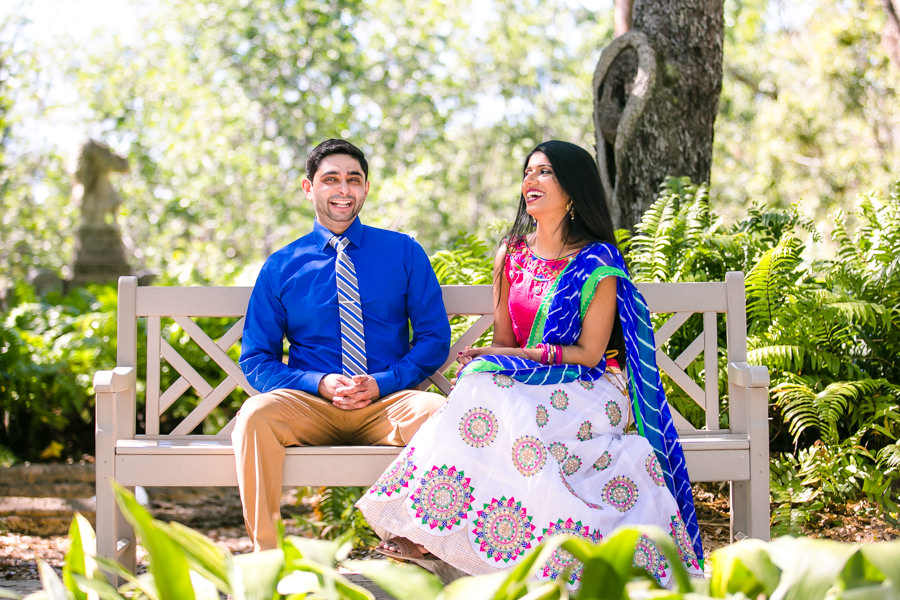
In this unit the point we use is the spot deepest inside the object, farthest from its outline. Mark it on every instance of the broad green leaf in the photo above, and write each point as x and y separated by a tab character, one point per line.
872	564
50	582
117	569
743	568
254	576
809	567
399	580
101	588
202	554
322	552
479	587
80	556
600	580
168	564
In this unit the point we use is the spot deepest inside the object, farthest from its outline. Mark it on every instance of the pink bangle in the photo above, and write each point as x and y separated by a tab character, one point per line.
544	351
559	354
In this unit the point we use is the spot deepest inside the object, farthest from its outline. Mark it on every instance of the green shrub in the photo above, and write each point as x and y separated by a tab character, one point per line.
828	331
49	350
183	564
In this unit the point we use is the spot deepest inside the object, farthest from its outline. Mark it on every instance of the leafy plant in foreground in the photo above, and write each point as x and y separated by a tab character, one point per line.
184	565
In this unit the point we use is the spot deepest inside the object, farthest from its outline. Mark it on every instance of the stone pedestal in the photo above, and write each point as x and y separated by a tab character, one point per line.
99	255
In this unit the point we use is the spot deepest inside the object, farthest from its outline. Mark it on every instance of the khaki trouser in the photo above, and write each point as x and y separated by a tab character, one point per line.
267	423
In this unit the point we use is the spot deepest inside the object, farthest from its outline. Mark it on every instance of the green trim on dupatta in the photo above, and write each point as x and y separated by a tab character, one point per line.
590	286
540	319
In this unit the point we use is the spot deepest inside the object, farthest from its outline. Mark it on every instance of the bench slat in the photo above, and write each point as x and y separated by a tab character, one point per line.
716	459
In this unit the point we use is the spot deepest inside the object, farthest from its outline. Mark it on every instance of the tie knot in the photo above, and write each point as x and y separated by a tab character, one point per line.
339	242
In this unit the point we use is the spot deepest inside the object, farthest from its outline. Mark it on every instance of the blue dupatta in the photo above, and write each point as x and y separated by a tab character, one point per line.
558	321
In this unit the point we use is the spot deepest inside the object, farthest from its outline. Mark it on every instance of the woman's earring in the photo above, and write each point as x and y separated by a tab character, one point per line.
570	208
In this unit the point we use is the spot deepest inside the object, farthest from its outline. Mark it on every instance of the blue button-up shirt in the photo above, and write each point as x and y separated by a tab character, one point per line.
295	297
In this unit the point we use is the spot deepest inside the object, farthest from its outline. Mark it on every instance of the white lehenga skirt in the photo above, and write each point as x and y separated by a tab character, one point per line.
503	465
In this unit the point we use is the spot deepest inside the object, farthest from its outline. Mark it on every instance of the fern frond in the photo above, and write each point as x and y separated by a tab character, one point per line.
778	357
889	456
770	279
798	407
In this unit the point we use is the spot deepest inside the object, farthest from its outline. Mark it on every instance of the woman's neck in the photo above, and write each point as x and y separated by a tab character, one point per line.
547	241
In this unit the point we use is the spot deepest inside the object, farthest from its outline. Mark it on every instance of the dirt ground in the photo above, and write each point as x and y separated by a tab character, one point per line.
19	553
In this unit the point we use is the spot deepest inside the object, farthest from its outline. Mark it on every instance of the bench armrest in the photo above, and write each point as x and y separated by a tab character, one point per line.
117	380
749	376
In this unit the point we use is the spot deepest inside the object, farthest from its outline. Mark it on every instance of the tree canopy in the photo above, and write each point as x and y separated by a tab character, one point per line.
217	103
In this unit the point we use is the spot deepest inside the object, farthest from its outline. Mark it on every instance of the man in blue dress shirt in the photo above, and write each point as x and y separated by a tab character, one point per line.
312	399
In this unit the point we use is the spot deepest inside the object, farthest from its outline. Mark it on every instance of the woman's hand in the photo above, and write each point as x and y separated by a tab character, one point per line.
466	356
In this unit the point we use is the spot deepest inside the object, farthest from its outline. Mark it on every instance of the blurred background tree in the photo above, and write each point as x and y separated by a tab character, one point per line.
217	103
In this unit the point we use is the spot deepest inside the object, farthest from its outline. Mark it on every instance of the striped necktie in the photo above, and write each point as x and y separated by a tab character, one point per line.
353	345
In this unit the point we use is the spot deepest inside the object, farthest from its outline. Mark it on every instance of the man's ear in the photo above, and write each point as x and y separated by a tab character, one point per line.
307	186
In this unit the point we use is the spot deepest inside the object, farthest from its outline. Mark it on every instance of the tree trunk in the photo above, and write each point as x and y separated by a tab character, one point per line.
656	94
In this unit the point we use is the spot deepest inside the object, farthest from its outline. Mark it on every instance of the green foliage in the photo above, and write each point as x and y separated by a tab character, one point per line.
807	111
828	331
334	515
217	104
185	564
50	348
469	262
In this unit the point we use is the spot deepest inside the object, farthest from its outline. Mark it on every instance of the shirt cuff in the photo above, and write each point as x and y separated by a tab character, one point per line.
309	382
387	382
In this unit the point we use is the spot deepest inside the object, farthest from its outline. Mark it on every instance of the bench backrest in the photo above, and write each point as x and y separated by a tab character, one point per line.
182	305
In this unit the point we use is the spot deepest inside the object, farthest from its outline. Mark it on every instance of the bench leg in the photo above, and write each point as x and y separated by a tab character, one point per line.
115	536
750	510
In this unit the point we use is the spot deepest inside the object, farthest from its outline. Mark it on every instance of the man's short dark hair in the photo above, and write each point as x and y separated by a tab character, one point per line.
334	146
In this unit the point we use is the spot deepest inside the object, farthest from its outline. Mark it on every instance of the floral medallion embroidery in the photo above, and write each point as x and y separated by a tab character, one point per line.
542	416
561	559
648	557
572	464
613	412
478	427
443	498
621	493
528	455
588	385
503	530
603	462
397	476
562	477
503	381
584	432
558	450
655	470
559	400
683	544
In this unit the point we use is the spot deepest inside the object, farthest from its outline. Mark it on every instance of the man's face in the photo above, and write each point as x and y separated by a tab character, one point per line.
337	191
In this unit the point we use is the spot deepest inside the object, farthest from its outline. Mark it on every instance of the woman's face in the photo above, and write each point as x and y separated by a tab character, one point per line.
544	198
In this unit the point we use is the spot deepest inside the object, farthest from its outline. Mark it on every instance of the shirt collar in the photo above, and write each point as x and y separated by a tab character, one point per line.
353	233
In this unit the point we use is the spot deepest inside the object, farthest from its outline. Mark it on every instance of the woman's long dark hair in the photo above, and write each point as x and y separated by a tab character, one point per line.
578	176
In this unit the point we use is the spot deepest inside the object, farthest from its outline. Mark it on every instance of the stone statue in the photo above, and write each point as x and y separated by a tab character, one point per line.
93	191
99	252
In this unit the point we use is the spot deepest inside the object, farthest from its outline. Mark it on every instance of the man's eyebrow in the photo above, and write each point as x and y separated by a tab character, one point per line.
337	172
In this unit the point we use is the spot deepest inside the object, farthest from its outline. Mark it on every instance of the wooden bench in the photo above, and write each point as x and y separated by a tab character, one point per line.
181	457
